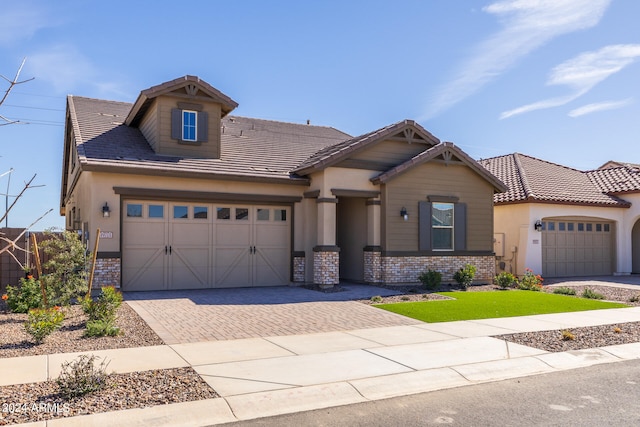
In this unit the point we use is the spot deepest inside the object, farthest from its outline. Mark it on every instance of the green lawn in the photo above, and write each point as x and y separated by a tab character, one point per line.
485	305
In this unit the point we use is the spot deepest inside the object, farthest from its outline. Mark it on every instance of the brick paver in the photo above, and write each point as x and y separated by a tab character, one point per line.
225	314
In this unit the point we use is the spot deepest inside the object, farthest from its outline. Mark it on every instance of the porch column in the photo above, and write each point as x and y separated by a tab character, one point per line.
373	250
326	255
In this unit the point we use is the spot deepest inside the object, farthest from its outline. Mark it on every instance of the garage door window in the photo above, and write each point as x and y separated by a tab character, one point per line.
200	212
180	212
263	214
156	211
280	214
242	214
134	210
223	213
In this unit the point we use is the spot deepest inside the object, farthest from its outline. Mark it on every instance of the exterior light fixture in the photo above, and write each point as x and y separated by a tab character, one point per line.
538	225
106	211
404	214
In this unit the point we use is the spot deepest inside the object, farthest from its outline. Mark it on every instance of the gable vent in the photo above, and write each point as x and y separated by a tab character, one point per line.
191	90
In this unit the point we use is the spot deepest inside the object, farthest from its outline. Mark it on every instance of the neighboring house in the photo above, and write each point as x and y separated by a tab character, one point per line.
187	196
588	222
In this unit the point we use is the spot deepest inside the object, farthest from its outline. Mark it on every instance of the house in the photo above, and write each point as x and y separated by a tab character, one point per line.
563	222
186	195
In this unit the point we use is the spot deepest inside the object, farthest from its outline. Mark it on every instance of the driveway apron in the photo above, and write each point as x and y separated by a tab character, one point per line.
227	314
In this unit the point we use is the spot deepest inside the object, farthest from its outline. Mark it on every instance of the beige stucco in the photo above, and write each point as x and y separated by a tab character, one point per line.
516	221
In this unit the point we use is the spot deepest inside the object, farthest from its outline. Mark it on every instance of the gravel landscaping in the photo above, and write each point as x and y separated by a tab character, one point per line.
39	401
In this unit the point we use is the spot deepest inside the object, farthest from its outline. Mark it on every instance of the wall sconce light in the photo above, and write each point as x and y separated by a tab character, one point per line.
106	211
404	214
538	225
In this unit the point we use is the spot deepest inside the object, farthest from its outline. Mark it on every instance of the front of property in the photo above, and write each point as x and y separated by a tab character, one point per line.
563	222
187	196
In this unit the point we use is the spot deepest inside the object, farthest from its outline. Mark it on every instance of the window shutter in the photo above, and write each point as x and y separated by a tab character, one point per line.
424	226
203	126
460	226
176	123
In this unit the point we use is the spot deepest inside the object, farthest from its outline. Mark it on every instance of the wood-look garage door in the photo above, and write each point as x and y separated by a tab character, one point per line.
577	248
194	245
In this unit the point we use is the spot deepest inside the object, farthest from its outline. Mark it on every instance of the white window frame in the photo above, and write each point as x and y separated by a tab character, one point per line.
195	126
440	227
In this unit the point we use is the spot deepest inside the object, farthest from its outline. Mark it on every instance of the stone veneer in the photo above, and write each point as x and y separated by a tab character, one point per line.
106	273
326	267
406	269
299	265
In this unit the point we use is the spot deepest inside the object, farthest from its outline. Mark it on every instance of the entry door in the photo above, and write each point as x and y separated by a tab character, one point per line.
252	246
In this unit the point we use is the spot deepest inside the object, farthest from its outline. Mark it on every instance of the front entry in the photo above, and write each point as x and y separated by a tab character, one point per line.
178	245
351	237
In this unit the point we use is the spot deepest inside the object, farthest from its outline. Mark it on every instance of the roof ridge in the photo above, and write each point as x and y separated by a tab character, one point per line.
286	123
528	192
98	99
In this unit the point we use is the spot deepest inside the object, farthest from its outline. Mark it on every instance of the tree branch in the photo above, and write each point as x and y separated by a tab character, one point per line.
12	83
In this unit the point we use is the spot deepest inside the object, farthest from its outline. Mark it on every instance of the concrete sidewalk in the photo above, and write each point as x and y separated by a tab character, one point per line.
260	377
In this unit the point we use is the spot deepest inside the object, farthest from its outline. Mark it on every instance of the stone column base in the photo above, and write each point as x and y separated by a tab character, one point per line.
326	266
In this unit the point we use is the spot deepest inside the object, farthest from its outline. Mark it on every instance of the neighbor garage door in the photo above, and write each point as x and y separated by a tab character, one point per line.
198	245
577	248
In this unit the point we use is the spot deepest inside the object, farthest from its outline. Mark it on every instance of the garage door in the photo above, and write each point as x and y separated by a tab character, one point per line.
577	248
195	245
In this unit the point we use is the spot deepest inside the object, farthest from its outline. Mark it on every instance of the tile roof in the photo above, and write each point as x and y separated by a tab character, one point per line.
334	153
534	180
612	180
251	148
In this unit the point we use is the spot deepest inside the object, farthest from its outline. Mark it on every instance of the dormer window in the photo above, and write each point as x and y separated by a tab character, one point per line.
189	125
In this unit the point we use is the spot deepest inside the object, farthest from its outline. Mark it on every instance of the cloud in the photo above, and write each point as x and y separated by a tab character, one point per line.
599	106
526	25
66	69
21	20
582	73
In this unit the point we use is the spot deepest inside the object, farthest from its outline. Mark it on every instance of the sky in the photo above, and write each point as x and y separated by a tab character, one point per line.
553	79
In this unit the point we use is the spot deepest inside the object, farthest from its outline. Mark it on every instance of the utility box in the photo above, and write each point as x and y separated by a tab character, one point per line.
498	244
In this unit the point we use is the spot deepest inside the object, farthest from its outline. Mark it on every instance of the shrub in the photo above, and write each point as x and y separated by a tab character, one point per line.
42	322
465	275
589	294
505	280
563	290
102	312
101	328
376	298
430	279
67	278
21	299
80	377
530	281
635	298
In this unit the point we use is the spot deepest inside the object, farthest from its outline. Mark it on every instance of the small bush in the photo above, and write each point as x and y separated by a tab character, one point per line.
405	298
563	290
105	306
42	322
589	294
617	330
505	280
530	281
80	377
101	328
465	275
430	279
21	299
376	298
635	298
567	336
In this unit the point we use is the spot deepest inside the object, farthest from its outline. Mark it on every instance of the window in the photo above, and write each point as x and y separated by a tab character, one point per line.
598	227
589	227
189	125
223	213
134	210
156	211
569	226
242	213
442	225
200	212
607	228
279	214
561	226
263	214
181	212
551	226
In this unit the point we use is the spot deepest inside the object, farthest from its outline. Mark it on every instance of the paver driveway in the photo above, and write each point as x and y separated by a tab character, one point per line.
225	314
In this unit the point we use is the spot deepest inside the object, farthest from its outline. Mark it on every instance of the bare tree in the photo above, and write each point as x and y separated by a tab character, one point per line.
12	83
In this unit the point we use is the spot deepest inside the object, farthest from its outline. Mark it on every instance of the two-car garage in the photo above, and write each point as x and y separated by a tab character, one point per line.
191	245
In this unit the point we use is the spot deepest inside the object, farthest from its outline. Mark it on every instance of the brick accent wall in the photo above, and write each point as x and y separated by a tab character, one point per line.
406	269
107	273
326	267
299	265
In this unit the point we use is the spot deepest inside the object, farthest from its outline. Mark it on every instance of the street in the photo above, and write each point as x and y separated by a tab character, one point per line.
601	395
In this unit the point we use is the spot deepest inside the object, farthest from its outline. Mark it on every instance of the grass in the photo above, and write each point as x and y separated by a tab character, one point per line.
486	305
